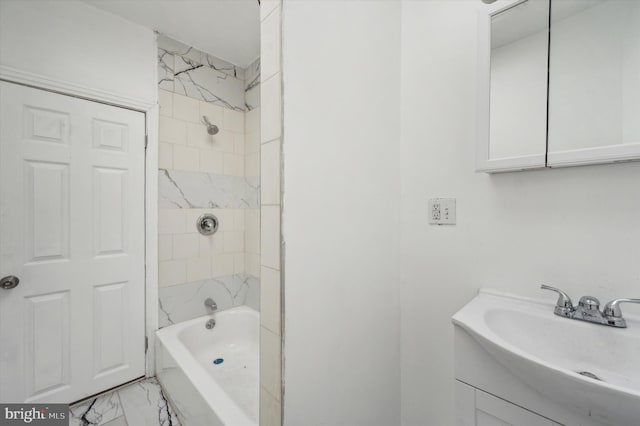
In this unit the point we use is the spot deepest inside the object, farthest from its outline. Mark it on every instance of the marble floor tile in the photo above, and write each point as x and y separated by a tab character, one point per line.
98	411
120	421
144	404
139	404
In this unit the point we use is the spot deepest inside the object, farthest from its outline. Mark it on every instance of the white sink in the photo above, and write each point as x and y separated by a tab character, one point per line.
546	352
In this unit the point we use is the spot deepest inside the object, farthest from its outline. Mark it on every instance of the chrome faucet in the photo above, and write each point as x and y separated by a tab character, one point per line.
588	309
210	305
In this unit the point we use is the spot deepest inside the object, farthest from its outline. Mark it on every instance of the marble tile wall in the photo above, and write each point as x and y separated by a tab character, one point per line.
252	86
187	71
192	190
271	360
184	302
187	256
185	144
252	172
202	173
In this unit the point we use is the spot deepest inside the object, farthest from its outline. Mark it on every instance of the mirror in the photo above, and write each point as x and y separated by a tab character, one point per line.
512	127
594	82
518	99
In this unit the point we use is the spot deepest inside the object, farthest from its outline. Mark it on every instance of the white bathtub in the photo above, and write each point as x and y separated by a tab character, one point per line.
204	393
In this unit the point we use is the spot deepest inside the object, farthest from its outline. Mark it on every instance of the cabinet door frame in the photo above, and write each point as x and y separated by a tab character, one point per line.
603	154
483	161
469	401
619	153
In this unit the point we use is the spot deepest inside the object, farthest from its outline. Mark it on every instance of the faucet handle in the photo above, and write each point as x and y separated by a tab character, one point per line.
612	309
613	313
564	306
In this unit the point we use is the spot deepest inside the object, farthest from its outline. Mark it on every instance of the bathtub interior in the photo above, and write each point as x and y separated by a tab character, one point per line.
237	347
234	346
239	325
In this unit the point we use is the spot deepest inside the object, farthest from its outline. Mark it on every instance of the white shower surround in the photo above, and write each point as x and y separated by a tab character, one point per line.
207	174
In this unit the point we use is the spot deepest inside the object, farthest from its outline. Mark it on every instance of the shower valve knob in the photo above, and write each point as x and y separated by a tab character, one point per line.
207	224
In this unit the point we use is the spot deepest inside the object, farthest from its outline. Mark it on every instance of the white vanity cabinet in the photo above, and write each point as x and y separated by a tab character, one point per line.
489	394
477	408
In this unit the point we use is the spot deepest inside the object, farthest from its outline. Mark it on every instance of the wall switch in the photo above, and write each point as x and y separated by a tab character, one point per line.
442	211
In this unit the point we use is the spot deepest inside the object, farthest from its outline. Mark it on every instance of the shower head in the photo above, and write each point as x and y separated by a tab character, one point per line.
488	1
212	129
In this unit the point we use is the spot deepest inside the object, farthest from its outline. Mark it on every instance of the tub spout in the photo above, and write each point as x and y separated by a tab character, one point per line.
210	305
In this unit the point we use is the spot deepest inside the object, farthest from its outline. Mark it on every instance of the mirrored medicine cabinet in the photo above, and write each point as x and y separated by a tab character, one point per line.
559	83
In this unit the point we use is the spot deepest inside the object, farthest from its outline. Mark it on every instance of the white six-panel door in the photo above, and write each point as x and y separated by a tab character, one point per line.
72	231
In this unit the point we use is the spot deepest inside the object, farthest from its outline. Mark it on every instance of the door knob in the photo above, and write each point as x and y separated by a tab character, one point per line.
9	282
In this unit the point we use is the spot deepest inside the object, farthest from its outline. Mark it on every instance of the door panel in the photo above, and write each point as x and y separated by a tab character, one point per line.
72	230
110	304
110	210
47	210
47	352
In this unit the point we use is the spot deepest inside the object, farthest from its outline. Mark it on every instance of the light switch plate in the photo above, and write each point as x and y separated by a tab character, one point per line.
442	211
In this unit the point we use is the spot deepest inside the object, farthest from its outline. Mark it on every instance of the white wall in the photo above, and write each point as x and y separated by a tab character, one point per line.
341	74
575	228
70	41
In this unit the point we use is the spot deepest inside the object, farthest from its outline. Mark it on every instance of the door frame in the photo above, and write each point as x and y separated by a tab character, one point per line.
151	112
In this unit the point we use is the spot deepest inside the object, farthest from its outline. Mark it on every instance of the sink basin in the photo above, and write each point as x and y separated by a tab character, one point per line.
548	352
